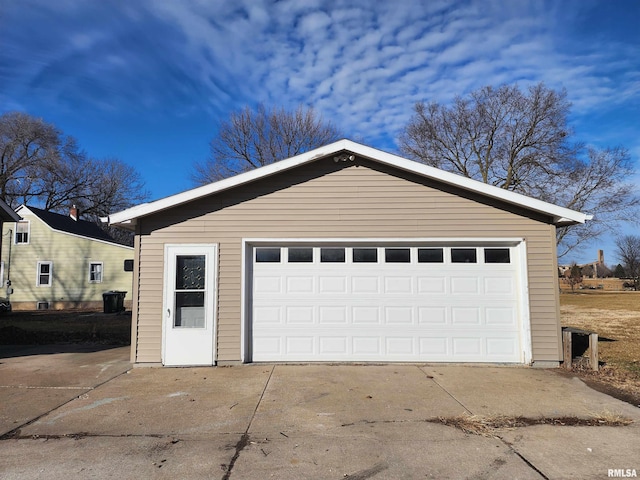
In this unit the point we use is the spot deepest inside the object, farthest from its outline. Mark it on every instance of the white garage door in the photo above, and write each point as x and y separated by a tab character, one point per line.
379	303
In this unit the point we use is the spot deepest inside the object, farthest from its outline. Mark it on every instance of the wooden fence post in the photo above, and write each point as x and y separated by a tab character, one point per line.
566	345
593	351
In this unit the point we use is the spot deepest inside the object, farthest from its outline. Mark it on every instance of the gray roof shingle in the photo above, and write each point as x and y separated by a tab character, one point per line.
65	223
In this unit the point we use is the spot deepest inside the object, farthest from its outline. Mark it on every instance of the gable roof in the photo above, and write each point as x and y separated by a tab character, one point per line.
66	224
560	215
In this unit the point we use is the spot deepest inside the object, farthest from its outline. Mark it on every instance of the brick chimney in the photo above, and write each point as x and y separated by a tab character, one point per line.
74	213
601	257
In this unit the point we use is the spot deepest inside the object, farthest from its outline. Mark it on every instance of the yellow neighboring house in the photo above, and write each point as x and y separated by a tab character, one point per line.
53	261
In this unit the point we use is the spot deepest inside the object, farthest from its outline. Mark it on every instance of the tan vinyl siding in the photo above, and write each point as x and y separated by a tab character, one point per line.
325	200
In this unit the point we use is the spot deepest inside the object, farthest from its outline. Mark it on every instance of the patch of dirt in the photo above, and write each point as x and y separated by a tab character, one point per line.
490	426
614	382
66	326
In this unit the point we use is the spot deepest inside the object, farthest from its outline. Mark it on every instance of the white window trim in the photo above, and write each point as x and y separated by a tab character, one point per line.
15	234
101	272
38	284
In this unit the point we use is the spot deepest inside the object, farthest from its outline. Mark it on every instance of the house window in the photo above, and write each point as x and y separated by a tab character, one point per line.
95	272
45	273
22	232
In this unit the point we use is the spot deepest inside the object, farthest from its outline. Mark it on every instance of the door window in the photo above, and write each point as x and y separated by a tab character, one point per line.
189	291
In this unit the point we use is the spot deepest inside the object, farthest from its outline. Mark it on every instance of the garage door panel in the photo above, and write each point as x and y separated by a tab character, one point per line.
332	285
365	315
268	284
497	347
395	284
467	346
300	284
267	347
434	285
464	285
376	312
333	346
366	345
333	315
300	315
436	348
501	316
403	346
465	316
267	315
365	284
432	315
504	285
398	316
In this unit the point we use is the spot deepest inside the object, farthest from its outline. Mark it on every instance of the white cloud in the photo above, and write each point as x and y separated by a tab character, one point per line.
363	64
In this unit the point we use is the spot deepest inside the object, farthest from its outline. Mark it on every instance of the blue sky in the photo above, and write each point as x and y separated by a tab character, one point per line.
147	81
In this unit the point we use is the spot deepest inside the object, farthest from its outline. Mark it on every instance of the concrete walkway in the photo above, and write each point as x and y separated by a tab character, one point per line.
86	415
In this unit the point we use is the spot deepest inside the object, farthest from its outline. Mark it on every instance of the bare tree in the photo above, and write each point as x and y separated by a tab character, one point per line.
42	167
519	141
628	251
254	138
96	186
25	144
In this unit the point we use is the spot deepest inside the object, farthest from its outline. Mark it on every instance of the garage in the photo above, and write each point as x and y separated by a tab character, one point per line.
428	302
346	253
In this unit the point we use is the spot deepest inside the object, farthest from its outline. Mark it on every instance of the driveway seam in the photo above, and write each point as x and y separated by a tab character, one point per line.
431	377
507	444
524	459
12	433
29	387
244	439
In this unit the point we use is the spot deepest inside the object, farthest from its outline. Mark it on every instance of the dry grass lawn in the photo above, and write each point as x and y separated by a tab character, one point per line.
615	316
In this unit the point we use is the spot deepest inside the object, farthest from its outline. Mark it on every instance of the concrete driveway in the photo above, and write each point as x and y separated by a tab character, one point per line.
85	414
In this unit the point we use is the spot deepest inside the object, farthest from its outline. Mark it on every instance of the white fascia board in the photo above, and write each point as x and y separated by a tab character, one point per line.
386	241
558	213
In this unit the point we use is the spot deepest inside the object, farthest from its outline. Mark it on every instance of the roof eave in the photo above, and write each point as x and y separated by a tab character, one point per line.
7	213
559	215
130	214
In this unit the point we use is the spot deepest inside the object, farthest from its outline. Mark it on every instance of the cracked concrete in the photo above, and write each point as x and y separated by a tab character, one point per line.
297	421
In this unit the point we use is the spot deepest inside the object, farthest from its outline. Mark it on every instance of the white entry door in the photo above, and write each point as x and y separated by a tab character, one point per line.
189	305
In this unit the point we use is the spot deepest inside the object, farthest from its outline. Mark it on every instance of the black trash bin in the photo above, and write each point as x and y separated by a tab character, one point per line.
113	301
